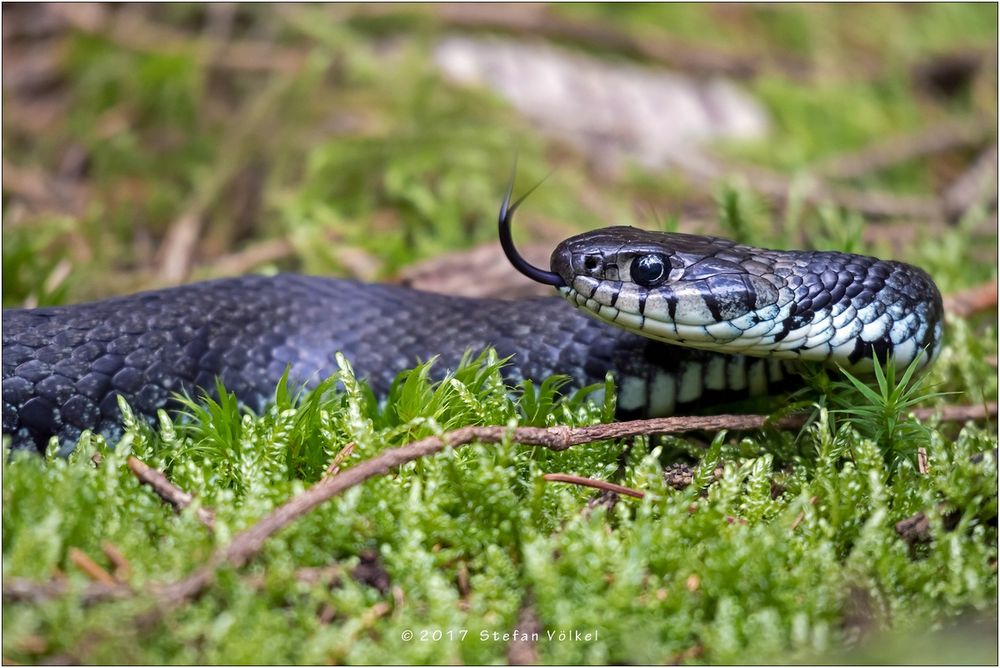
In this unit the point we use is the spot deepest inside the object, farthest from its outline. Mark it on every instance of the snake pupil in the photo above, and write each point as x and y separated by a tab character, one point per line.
647	270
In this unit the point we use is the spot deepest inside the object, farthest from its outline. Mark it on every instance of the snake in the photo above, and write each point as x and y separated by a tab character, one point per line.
680	321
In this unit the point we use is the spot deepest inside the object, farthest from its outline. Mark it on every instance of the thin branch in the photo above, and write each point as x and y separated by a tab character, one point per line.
977	184
23	590
538	20
876	204
916	529
91	568
802	515
345	452
248	543
596	484
176	256
122	566
938	138
973	300
167	491
130	31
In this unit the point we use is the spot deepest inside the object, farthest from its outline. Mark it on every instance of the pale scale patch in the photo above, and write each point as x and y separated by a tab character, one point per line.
692	309
868	314
690	383
657	306
876	328
794	339
757	378
629	320
715	374
608	312
605	292
737	373
904	352
760	329
663	395
585	284
820	337
848	314
628	298
693	333
657	328
723	332
841	350
745	321
900	330
632	394
846	334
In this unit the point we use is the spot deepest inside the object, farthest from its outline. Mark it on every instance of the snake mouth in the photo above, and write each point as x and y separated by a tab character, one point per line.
720	337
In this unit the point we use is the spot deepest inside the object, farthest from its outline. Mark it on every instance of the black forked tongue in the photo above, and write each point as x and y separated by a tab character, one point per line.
506	216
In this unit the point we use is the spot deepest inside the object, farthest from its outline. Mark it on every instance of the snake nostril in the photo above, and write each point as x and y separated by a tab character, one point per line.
591	262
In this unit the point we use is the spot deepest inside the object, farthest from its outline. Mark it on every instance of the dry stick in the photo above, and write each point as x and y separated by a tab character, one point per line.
176	256
91	568
130	31
16	590
935	139
248	543
122	566
345	452
167	491
538	20
596	484
873	203
972	300
978	183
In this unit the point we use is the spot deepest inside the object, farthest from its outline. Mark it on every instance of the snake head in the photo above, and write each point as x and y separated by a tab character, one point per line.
703	291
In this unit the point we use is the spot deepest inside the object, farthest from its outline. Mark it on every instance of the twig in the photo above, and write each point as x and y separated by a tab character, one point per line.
130	31
177	253
537	20
334	467
922	461
875	204
976	184
596	484
167	491
122	566
802	515
249	542
973	300
91	568
522	650
935	139
916	529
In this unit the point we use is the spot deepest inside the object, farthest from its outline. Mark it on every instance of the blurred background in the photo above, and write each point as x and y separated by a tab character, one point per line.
153	144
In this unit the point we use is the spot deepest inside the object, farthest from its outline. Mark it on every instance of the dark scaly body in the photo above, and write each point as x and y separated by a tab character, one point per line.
64	367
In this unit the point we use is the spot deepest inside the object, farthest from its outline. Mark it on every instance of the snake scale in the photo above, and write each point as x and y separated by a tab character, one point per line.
697	320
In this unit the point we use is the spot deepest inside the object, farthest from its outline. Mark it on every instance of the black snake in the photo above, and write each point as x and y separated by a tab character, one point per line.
64	367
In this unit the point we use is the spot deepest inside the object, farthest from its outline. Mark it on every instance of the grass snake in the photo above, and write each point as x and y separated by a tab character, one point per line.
696	320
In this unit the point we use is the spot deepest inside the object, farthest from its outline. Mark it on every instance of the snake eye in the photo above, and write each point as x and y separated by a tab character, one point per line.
647	270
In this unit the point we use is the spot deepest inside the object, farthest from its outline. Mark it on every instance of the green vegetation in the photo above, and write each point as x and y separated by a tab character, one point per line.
347	143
